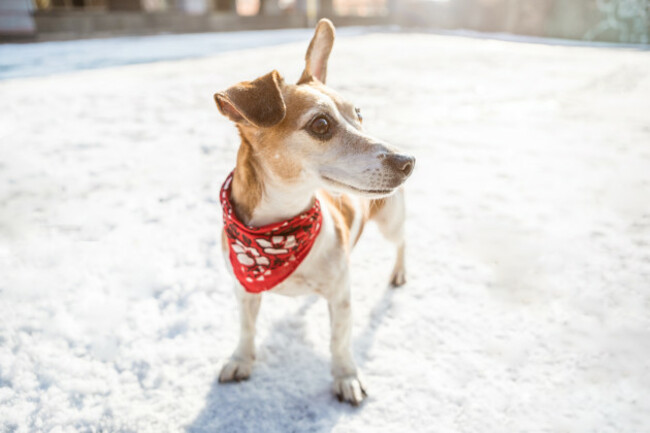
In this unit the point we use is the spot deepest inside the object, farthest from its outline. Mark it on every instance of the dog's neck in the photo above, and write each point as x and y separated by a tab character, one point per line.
280	203
259	197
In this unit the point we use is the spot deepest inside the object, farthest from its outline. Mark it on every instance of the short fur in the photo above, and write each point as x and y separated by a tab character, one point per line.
286	160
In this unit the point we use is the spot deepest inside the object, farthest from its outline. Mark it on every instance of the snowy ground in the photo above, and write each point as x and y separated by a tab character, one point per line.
528	304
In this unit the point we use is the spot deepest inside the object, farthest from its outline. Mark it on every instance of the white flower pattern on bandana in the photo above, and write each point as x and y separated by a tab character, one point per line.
249	256
262	257
278	244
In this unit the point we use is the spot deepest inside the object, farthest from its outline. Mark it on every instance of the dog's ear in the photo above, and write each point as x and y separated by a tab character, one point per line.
318	52
258	103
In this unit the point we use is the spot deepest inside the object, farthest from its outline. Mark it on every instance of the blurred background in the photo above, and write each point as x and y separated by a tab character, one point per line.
624	21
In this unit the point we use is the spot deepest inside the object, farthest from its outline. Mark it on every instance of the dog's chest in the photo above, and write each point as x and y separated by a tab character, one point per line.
323	268
322	271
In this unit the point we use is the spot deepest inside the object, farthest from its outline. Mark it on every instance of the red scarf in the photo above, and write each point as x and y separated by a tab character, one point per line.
263	257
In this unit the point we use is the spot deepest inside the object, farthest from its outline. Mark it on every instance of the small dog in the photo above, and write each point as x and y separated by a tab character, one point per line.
289	223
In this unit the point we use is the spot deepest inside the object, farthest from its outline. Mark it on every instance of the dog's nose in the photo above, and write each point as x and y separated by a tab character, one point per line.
402	163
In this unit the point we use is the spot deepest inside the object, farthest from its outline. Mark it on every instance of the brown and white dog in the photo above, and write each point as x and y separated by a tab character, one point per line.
300	143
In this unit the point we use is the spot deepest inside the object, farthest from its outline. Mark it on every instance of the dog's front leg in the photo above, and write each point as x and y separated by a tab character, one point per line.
240	364
347	386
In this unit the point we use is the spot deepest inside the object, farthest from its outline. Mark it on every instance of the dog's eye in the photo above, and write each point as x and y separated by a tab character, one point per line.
358	110
320	126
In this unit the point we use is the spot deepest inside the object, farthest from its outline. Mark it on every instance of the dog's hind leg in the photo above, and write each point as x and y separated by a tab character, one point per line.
240	364
390	213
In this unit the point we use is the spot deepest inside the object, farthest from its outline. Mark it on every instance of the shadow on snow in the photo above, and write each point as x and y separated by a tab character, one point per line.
290	388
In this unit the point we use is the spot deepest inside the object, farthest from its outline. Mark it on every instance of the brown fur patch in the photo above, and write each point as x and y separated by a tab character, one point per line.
224	242
339	207
258	102
374	206
345	206
318	52
272	141
246	184
364	218
343	211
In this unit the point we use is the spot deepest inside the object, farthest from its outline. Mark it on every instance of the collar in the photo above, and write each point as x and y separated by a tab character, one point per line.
263	257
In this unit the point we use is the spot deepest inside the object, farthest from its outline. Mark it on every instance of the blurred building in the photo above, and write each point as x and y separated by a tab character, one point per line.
16	18
602	20
65	19
625	21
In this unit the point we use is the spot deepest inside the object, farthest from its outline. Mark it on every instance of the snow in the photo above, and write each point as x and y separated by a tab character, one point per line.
26	60
527	304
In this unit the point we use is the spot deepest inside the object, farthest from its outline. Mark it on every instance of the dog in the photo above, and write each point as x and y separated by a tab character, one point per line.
306	180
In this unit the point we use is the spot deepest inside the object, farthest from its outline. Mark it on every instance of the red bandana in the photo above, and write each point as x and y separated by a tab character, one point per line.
263	257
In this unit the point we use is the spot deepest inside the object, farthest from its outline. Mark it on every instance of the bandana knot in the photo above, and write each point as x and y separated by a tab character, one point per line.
263	257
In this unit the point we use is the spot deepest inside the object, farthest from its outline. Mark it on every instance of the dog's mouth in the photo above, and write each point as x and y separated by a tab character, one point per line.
372	192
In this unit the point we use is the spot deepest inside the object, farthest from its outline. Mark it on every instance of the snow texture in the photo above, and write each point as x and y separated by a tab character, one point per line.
527	304
25	60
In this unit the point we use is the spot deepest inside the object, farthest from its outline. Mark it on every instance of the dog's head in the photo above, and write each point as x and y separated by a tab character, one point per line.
309	134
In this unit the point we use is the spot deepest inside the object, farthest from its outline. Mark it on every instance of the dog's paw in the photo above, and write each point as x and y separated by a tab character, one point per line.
398	278
235	370
349	389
